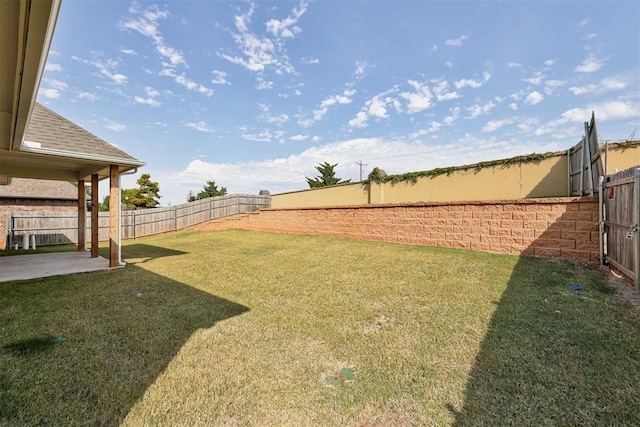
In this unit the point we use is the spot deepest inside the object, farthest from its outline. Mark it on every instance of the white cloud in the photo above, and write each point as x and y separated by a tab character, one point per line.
345	98
107	68
151	91
467	82
376	107
536	79
264	136
57	84
441	90
589	65
263	84
449	64
191	85
87	95
267	117
583	22
455	115
605	85
145	22
514	65
50	93
496	124
115	126
549	62
298	137
52	67
259	53
486	75
513	106
360	121
555	83
286	28
200	126
361	69
611	110
220	78
128	51
534	98
477	109
420	99
147	101
316	139
456	42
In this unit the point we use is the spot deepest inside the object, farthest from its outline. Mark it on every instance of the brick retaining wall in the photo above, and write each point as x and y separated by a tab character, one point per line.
553	227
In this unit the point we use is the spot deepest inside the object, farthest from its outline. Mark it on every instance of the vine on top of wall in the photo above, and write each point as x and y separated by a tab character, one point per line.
412	177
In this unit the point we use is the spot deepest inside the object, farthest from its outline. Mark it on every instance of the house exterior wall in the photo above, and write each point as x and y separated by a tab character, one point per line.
8	205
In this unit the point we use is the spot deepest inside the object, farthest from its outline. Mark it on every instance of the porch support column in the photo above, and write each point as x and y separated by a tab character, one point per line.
94	215
114	216
82	216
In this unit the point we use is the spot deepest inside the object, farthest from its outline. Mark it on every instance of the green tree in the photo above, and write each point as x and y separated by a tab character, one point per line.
145	196
327	176
104	206
209	190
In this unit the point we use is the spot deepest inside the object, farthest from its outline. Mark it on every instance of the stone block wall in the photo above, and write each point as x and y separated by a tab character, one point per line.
551	227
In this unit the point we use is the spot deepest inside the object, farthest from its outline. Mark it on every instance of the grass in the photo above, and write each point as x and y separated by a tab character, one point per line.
243	328
39	250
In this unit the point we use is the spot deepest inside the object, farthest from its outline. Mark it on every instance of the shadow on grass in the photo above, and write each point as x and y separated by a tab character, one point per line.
138	253
82	349
554	355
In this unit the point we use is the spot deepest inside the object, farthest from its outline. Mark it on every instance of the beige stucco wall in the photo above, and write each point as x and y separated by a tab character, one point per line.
623	159
543	178
339	195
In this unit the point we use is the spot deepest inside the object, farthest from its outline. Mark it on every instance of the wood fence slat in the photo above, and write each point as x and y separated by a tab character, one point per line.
55	228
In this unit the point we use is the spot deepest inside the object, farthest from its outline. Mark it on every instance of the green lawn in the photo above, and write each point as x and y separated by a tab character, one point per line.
241	328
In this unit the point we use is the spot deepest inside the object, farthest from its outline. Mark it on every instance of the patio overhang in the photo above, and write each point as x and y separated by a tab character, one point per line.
44	163
35	142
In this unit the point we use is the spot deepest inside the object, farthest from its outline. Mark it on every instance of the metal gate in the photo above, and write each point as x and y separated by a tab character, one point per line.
620	222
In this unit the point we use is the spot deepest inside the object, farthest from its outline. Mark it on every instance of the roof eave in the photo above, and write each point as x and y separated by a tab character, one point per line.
39	19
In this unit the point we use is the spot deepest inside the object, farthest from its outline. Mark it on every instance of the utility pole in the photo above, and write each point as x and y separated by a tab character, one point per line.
359	163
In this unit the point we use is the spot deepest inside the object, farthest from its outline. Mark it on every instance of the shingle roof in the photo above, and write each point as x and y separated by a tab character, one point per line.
53	131
39	189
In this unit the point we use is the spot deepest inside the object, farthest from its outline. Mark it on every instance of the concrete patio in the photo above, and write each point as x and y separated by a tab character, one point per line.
25	267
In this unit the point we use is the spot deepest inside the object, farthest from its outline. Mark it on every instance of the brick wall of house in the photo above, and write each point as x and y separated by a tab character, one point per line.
8	205
553	227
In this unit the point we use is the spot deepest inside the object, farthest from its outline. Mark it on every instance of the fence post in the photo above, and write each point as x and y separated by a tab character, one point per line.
175	219
134	225
11	232
636	235
588	139
601	219
568	176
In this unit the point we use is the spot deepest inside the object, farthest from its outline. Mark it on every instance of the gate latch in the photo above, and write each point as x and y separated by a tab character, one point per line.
634	229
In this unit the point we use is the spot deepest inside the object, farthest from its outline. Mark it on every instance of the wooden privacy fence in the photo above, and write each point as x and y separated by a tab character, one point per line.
620	220
54	228
584	163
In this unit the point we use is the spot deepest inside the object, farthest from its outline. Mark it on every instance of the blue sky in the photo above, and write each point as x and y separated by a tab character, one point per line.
253	95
